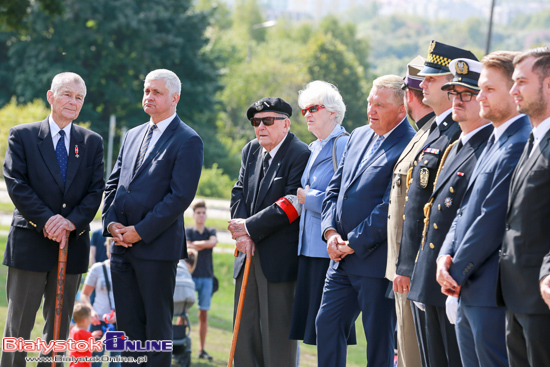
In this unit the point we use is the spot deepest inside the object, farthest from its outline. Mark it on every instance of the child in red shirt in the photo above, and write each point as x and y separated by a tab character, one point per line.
82	316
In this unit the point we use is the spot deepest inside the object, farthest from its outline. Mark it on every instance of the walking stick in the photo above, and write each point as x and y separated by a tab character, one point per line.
239	308
61	270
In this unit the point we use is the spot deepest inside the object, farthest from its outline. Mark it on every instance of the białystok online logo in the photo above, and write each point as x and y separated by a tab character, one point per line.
115	341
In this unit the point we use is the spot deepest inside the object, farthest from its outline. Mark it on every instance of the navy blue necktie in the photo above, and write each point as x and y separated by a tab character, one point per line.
61	153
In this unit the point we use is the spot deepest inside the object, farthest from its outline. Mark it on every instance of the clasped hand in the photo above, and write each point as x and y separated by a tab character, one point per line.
124	236
337	248
57	229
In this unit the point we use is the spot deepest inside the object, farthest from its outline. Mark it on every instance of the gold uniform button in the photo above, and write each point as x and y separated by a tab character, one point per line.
64	205
432	246
435	225
406	198
451	190
403	216
438	206
426	162
32	224
415	163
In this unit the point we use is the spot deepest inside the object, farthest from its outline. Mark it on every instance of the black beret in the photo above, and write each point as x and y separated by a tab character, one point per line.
269	104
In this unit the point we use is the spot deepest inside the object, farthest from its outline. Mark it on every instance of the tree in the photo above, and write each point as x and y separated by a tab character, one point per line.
113	44
331	61
13	13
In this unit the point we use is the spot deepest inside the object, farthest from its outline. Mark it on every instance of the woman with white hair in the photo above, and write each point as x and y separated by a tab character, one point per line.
323	108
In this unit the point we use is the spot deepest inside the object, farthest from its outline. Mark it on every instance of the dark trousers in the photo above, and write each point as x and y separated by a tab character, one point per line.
441	338
419	319
527	339
144	298
480	332
344	297
25	290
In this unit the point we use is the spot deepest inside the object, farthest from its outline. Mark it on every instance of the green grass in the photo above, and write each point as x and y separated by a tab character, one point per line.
220	319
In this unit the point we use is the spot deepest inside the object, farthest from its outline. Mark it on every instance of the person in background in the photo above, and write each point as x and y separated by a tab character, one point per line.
97	247
203	240
103	311
82	318
407	348
324	109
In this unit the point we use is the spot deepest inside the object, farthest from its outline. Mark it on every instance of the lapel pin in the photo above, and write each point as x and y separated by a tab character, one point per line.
76	151
460	174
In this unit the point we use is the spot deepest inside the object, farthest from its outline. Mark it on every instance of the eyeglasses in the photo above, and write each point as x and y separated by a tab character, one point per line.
464	96
312	109
268	121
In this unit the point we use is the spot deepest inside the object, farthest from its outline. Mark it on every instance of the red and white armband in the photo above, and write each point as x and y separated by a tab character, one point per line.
290	206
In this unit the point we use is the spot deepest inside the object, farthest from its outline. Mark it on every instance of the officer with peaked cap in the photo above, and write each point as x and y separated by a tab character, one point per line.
407	347
443	131
455	170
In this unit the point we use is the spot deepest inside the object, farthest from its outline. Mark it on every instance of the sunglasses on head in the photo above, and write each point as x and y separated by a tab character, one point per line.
268	121
312	109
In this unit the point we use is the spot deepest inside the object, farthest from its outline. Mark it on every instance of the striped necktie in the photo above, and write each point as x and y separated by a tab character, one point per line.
144	146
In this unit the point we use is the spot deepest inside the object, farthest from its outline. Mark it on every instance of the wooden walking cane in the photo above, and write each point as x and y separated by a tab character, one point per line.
239	308
61	270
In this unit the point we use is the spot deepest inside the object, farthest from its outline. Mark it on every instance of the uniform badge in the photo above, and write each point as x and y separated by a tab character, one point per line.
424	177
398	182
258	106
448	202
461	67
431	47
76	151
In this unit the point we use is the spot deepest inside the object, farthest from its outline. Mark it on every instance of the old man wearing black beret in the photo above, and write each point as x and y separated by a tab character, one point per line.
264	212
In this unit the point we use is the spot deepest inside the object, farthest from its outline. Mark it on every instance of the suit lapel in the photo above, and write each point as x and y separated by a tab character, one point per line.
254	167
271	173
45	145
529	162
159	145
76	145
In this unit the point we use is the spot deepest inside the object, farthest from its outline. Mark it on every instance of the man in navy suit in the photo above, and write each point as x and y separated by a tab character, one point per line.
468	260
354	224
525	244
455	170
54	175
153	181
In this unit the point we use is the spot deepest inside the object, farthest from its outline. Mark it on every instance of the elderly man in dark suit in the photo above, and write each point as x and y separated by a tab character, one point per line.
526	231
443	131
455	170
54	175
354	224
475	238
154	180
264	209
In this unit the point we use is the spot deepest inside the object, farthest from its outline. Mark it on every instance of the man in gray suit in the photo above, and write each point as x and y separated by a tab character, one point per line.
526	235
407	348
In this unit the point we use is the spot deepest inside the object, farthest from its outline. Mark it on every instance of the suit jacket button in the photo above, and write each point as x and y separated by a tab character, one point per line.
435	226
432	246
345	197
129	191
64	205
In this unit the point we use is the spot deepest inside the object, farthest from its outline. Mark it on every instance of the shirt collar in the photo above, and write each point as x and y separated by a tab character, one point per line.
439	119
502	128
338	129
465	138
542	129
54	128
274	151
161	126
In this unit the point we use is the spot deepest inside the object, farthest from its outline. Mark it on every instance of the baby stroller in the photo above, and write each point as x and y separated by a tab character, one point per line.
184	298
